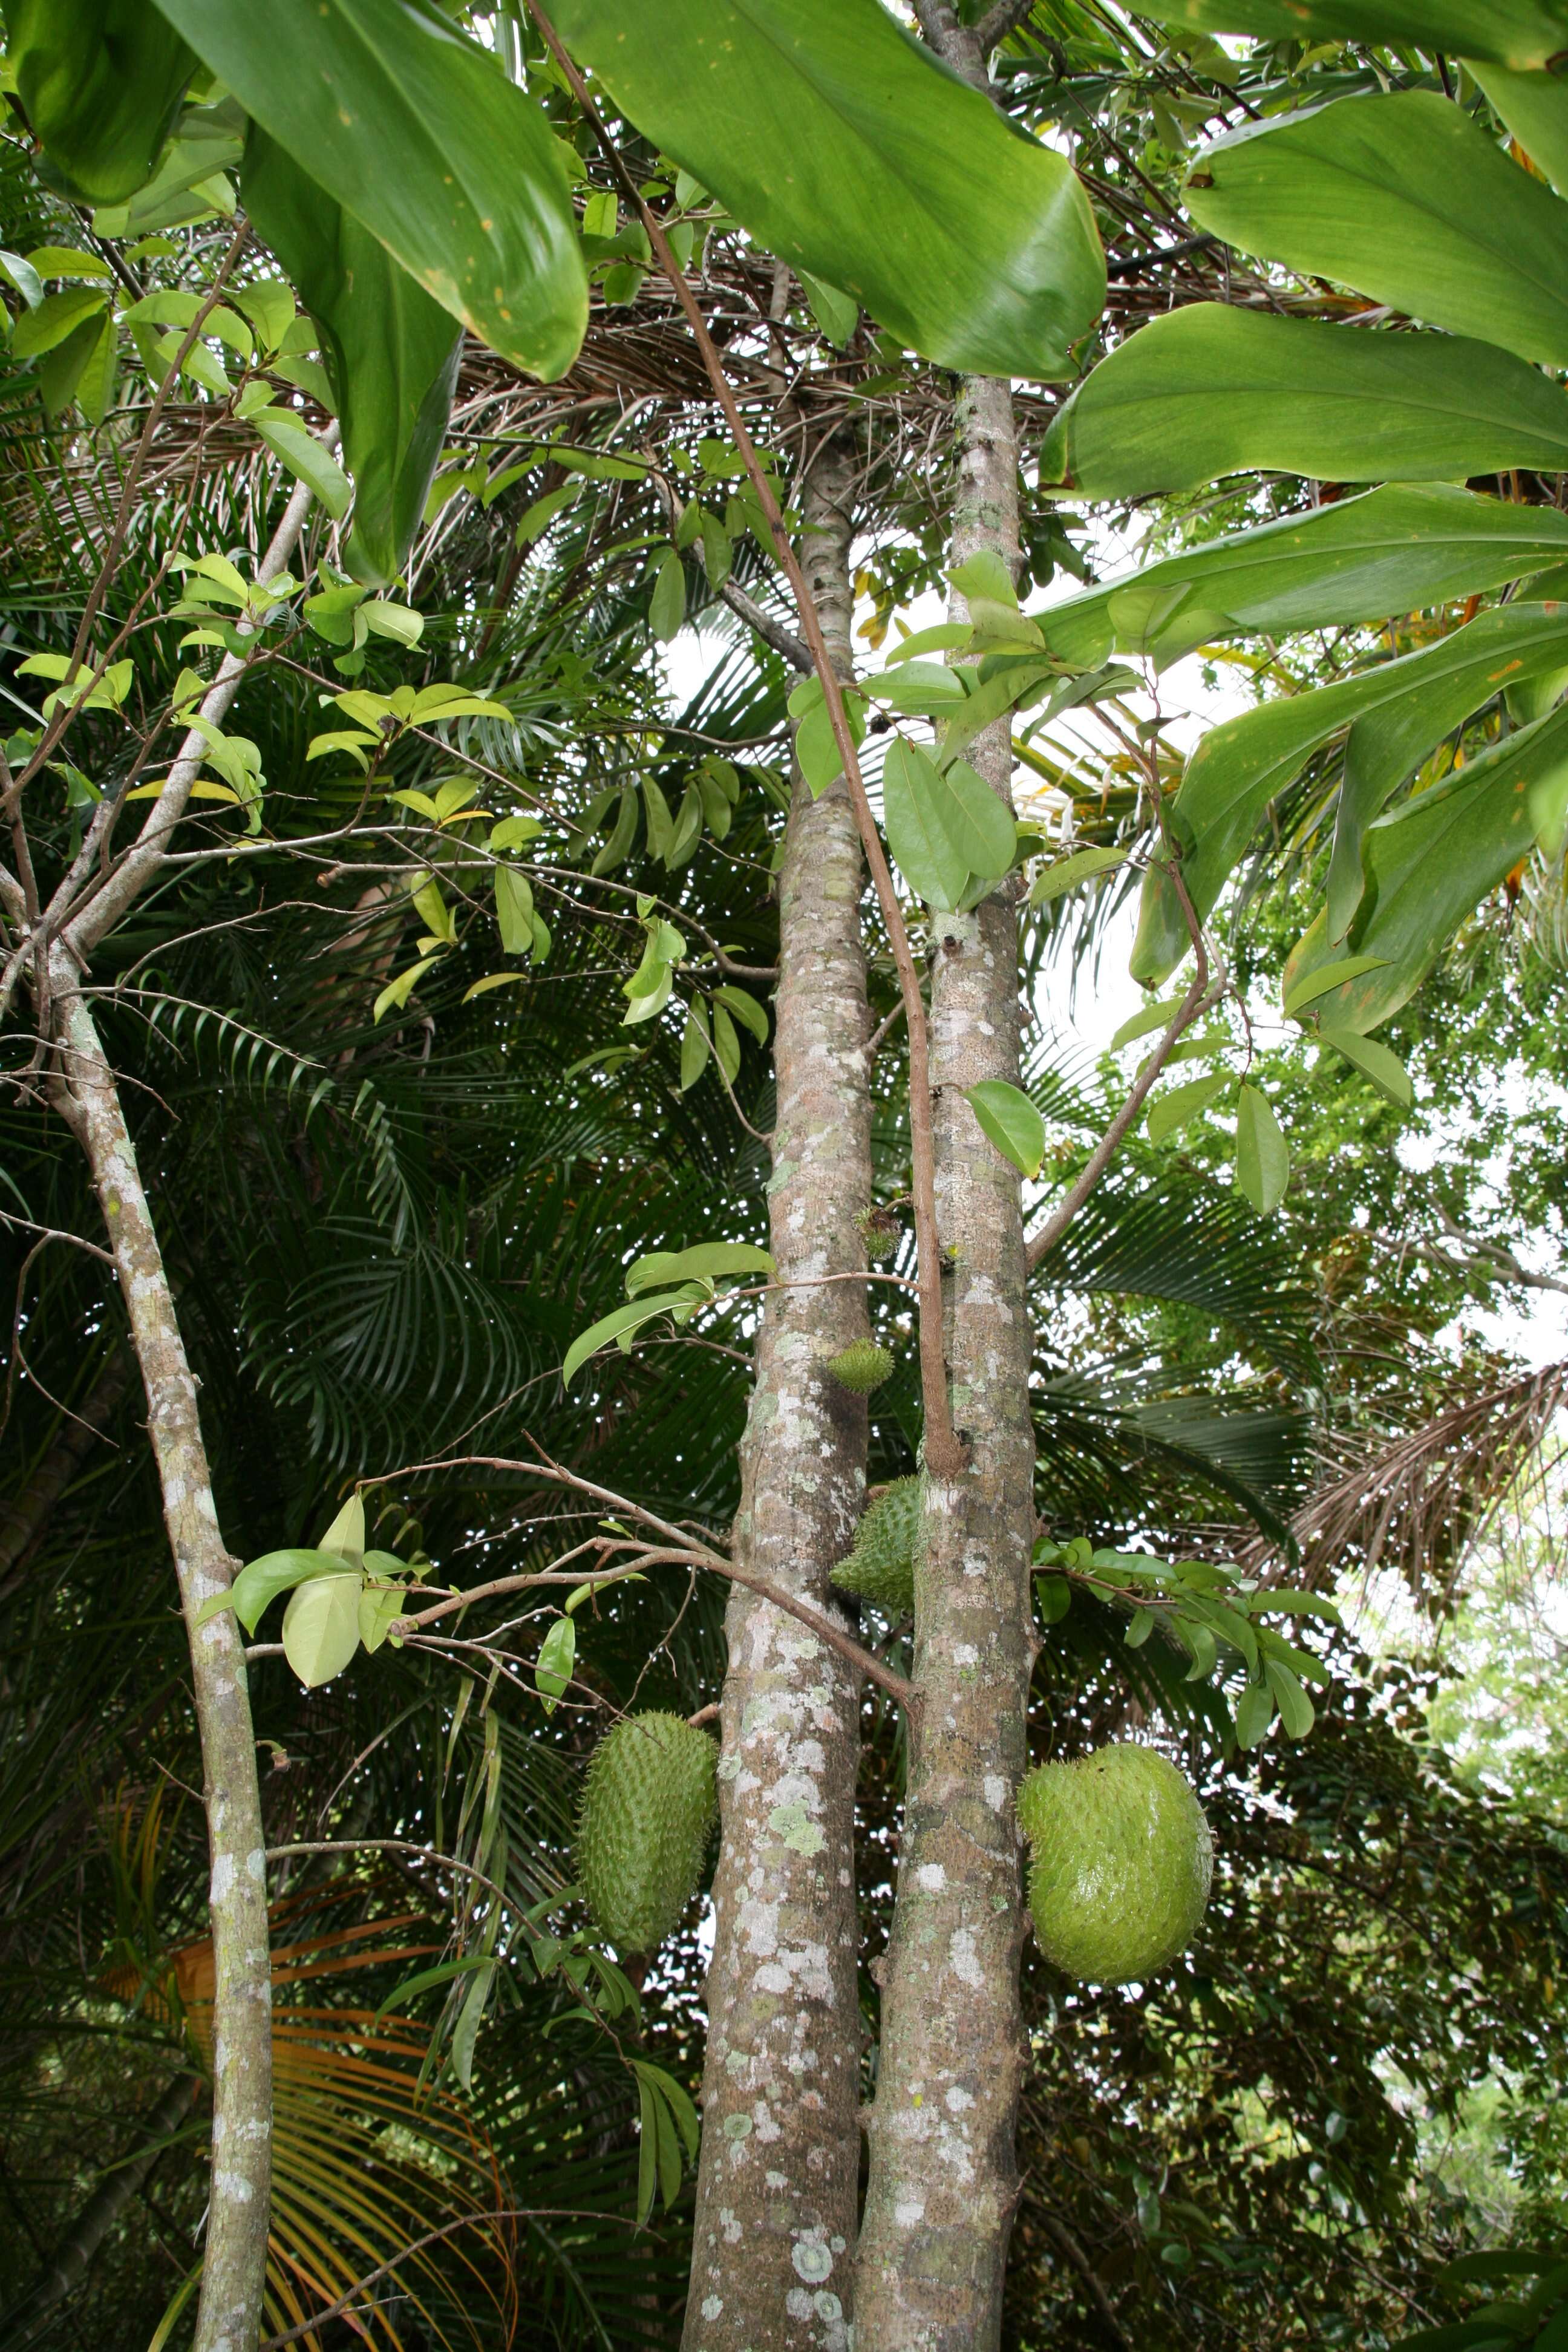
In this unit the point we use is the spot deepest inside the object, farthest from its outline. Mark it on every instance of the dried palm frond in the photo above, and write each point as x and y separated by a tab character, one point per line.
1419	1504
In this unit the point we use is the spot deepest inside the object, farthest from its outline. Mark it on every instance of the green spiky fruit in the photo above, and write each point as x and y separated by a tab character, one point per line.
881	1568
862	1366
1120	1857
644	1828
881	1232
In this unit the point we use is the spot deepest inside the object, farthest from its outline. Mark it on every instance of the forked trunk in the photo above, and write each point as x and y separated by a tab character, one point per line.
944	2184
776	2189
235	2257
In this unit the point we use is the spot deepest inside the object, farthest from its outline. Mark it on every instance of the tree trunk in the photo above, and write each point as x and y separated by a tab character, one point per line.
777	2180
72	2258
943	2184
234	2263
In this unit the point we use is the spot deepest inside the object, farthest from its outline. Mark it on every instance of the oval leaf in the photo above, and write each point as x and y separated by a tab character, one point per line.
1262	1154
320	1627
260	1581
1376	1060
1009	1119
1182	1105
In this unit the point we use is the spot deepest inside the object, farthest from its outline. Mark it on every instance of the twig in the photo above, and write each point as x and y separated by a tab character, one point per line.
945	1456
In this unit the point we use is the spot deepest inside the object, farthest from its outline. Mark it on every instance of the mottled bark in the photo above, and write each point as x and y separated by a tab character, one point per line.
234	2263
943	2184
72	2258
776	2187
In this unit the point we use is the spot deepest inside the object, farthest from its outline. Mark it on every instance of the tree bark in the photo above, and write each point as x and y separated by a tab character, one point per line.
943	2183
780	2159
72	2258
233	2267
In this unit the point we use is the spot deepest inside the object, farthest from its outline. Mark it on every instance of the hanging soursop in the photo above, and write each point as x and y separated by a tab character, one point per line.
1120	1857
861	1366
644	1828
881	1568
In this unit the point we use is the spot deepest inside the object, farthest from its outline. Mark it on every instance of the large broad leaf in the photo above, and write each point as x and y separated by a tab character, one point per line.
101	81
1404	707
420	135
1405	199
1535	108
923	848
1430	863
855	156
320	1627
390	352
1208	391
1398	550
1513	32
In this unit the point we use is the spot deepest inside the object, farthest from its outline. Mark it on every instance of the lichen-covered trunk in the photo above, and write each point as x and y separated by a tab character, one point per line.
943	2183
235	2253
775	2226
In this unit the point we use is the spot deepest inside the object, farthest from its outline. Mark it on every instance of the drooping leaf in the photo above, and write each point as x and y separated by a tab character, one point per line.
1206	391
1376	1060
619	1324
1306	991
1179	1106
320	1626
390	352
921	845
1008	1117
420	137
1432	860
101	81
289	439
1262	1154
666	606
849	151
1404	198
1402	709
1535	108
838	314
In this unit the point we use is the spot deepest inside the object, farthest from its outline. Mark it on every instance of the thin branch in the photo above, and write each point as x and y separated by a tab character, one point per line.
945	1456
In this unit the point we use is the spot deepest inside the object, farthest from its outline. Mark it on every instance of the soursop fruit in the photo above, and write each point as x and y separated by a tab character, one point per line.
1120	1859
881	1567
862	1366
644	1827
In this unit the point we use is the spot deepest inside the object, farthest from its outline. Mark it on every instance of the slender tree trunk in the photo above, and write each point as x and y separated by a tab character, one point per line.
72	2258
776	2186
235	2263
945	2183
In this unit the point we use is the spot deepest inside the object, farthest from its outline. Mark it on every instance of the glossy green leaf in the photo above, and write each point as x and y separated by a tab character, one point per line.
346	1534
1397	712
726	1045
390	353
420	136
1254	1714
1179	1106
846	149
836	314
1401	549
619	1324
705	1262
260	1581
1404	198
1082	866
816	745
101	81
55	317
695	1046
19	272
1375	1060
746	1010
666	606
289	439
1318	983
920	843
1010	1120
557	1656
1432	860
1207	391
1262	1154
379	1610
1514	32
320	1627
1296	1710
1535	108
515	911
